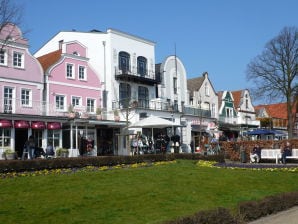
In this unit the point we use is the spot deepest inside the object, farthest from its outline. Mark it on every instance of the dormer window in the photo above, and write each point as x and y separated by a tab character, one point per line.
76	53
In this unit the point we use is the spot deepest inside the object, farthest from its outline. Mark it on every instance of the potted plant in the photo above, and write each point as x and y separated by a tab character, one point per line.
98	113
71	113
9	154
62	152
116	115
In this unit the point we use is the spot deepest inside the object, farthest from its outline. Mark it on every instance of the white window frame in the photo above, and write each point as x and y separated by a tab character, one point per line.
79	72
29	103
229	112
72	71
3	55
60	107
77	98
20	61
88	107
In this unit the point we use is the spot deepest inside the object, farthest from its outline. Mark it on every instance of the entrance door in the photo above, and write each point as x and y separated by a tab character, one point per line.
21	136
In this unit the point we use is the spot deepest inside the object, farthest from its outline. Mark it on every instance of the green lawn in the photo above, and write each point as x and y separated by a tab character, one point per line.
134	195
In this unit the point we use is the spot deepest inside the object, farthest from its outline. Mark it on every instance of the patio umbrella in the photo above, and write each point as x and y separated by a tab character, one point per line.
154	122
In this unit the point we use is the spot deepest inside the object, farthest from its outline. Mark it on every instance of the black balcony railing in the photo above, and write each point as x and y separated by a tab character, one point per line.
131	75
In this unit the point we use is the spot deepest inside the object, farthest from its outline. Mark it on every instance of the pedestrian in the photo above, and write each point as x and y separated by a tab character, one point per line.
286	151
30	147
255	154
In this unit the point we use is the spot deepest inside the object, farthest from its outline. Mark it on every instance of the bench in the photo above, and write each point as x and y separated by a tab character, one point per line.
276	154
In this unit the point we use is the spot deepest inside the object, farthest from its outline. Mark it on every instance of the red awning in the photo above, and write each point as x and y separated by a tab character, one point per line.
21	124
54	125
38	125
5	124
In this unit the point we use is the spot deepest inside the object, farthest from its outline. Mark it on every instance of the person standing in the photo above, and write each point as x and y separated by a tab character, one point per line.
286	151
30	147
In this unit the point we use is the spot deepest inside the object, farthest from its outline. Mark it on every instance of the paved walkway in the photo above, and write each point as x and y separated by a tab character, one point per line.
285	217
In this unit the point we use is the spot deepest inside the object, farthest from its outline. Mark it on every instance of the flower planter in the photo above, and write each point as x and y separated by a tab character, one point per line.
9	156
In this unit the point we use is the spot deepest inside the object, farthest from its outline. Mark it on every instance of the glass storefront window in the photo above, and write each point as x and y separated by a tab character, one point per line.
37	134
53	138
5	134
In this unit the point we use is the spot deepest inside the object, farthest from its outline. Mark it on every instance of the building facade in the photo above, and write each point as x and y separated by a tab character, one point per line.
21	92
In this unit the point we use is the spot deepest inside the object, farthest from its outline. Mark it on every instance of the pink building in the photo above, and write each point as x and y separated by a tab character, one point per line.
21	92
71	84
72	90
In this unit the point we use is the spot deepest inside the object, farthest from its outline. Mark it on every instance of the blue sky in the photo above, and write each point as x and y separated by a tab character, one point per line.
217	36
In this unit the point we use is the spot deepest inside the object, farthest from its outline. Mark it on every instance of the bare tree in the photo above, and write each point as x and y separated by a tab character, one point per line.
10	13
274	72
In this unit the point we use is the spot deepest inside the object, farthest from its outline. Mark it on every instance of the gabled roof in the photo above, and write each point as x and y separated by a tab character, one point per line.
49	59
194	84
237	95
278	110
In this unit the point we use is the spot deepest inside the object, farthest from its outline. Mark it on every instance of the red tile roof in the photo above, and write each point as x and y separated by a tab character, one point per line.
237	97
49	59
278	110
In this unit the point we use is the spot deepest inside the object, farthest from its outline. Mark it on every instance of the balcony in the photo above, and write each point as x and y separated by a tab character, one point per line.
154	104
197	112
228	120
131	75
18	106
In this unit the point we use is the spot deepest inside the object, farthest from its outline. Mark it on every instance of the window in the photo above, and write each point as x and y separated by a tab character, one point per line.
82	72
246	101
229	112
207	90
142	66
3	57
175	85
60	102
143	97
213	110
8	99
90	106
5	134
124	94
53	138
76	101
26	97
18	59
70	71
124	59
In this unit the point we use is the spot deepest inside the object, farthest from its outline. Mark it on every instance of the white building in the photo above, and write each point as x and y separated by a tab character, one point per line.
131	86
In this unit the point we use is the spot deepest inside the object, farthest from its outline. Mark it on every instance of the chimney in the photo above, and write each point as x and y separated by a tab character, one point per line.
60	44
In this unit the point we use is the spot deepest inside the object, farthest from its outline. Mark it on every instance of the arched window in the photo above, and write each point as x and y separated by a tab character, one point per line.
124	94
124	59
143	97
142	66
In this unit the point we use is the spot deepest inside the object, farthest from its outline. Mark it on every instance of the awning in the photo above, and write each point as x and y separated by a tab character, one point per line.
38	125
21	124
53	125
5	124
